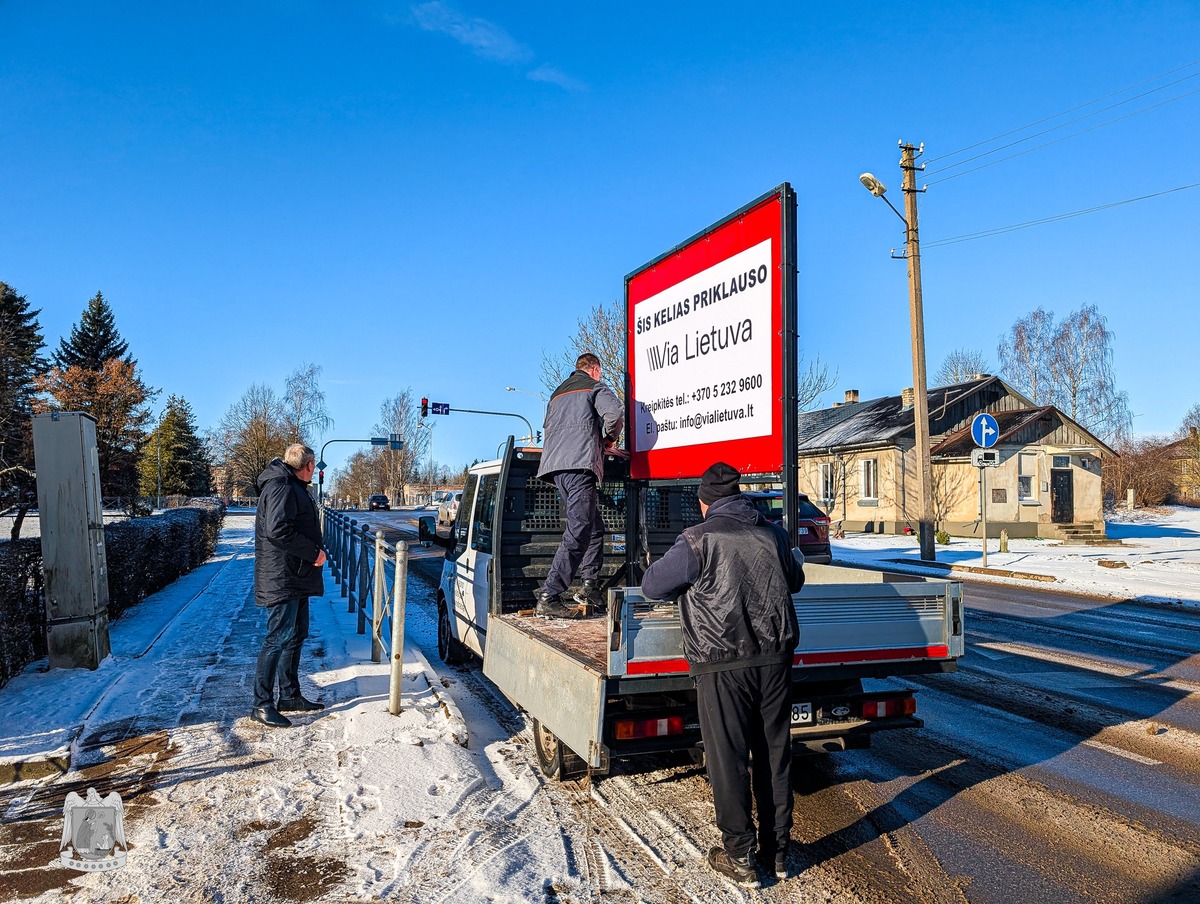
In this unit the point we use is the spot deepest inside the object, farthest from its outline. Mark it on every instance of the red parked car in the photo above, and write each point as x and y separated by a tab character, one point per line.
812	524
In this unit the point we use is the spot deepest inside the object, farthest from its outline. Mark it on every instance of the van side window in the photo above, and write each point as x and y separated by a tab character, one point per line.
464	509
484	513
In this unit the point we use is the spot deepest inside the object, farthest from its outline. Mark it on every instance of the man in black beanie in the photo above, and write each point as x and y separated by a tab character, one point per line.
734	575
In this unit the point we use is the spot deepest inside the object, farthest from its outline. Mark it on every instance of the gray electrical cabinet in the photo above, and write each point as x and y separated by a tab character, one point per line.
72	525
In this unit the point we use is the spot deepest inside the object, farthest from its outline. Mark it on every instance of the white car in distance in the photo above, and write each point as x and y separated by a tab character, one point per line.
447	512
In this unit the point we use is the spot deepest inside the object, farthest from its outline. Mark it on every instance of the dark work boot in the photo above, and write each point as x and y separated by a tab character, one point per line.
299	704
269	715
550	606
589	594
735	869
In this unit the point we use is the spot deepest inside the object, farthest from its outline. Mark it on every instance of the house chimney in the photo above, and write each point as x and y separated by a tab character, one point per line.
1193	433
851	396
907	397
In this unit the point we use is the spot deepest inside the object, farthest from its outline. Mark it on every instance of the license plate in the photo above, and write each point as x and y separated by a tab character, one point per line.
801	713
802	530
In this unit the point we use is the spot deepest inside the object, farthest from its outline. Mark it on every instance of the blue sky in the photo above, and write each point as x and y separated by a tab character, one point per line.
428	195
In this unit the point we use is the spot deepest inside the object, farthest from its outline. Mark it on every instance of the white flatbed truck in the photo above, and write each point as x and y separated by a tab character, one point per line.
616	685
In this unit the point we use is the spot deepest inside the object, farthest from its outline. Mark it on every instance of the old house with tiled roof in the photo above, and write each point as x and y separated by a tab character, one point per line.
858	459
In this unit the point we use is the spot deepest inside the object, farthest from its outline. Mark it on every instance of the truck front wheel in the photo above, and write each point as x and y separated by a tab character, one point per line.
557	760
450	650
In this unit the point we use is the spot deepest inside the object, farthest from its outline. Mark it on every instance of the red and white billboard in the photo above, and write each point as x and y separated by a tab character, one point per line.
705	351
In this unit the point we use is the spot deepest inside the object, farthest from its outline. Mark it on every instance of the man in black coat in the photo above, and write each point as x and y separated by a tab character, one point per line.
288	555
734	575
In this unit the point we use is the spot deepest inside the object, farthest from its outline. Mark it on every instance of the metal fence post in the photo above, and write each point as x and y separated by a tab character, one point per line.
377	600
399	604
351	562
363	572
331	547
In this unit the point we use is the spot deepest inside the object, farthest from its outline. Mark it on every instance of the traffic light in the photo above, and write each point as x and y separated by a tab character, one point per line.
320	477
424	408
539	436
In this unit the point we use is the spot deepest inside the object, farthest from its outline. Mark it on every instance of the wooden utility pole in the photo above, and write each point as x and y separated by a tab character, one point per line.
912	251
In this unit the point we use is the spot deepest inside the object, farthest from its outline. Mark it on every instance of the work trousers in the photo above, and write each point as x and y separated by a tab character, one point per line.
287	627
745	721
582	547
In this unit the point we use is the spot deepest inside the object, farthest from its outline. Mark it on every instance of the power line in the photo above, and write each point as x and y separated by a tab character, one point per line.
1047	144
1070	122
1038	122
1000	230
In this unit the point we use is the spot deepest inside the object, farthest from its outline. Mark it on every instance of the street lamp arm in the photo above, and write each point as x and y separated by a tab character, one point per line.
895	211
498	414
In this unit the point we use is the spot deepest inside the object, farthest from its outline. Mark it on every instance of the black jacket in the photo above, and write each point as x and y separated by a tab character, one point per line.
287	538
734	574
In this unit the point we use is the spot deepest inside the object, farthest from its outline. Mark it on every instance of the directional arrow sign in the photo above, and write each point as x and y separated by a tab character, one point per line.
984	430
439	407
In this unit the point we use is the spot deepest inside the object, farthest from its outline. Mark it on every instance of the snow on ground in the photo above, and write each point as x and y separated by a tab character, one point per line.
354	803
1158	559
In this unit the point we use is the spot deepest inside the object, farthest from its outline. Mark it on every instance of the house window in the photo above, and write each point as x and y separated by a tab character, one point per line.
1062	461
1027	477
870	479
828	481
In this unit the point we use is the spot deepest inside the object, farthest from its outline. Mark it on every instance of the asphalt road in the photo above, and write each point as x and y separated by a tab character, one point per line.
1060	763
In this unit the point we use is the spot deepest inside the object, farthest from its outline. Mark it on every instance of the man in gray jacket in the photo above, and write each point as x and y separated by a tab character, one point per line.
583	421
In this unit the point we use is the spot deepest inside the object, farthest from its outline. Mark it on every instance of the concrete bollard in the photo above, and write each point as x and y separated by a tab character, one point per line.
1004	540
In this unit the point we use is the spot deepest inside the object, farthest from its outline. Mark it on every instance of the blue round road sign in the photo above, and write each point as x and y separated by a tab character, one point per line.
984	430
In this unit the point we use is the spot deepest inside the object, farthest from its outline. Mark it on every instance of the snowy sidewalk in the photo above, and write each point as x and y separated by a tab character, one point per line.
218	807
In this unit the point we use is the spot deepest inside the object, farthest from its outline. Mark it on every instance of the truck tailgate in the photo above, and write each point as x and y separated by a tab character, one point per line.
840	624
545	679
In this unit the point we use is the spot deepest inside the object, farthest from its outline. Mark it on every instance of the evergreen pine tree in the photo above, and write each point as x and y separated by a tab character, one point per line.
21	363
186	469
94	339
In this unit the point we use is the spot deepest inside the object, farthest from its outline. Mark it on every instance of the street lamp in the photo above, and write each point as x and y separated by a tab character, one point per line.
536	395
912	253
158	499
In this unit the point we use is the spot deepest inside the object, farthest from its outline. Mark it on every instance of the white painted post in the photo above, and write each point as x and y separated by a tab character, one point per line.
983	508
377	600
399	604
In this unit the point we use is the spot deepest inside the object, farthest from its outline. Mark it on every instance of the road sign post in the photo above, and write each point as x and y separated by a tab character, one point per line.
984	459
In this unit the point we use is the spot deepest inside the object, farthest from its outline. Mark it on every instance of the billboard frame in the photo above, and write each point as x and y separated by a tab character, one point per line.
788	337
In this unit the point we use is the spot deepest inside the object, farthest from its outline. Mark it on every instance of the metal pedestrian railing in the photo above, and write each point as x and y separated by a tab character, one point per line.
359	561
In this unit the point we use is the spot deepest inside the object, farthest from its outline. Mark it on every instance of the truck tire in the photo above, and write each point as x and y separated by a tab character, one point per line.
450	650
558	761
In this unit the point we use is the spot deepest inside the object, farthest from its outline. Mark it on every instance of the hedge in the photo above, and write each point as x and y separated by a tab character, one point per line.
143	556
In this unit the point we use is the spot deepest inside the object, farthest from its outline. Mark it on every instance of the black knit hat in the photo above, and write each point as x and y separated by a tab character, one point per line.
719	481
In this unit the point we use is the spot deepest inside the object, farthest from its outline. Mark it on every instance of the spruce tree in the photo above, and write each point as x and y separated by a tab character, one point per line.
186	470
21	363
94	339
94	373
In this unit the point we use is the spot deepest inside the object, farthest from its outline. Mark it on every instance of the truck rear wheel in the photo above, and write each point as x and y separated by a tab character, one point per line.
450	650
557	760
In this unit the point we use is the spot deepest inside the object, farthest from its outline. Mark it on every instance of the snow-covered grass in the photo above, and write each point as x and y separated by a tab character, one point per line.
1158	559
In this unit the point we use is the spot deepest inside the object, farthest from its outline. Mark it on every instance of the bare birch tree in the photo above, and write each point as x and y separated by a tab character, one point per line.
961	365
1083	369
1025	355
304	404
399	414
1069	365
254	429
